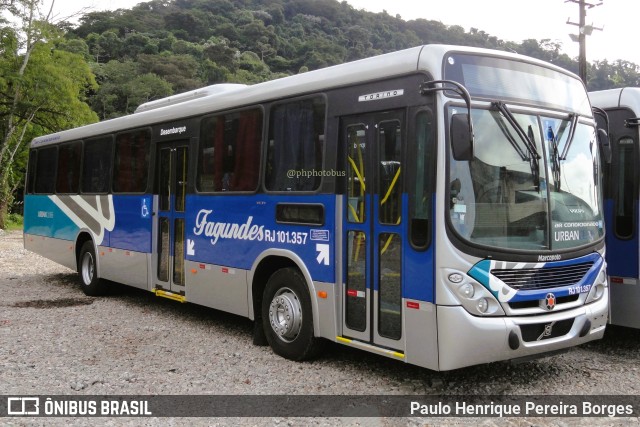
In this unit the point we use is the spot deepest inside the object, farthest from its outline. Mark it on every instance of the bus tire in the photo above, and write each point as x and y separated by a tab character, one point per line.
287	316
91	284
259	337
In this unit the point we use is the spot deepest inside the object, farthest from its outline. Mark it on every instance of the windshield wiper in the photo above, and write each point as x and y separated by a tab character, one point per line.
528	138
555	157
531	147
572	133
554	140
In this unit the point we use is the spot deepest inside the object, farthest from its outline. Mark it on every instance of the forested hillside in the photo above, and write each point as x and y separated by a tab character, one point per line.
163	47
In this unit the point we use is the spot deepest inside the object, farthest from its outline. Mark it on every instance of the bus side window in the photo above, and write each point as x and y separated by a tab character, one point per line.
68	179
390	185
96	165
421	180
296	136
206	153
246	144
132	162
46	170
229	152
624	188
31	175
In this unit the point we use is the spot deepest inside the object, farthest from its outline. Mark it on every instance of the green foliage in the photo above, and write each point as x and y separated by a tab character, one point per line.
14	222
42	90
286	35
123	87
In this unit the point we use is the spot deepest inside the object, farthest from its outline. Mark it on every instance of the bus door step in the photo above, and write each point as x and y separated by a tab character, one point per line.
372	348
170	295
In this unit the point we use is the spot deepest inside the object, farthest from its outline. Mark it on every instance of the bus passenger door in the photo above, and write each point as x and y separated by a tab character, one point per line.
171	174
372	228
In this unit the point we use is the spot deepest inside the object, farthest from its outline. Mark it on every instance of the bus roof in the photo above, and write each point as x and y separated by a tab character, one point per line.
626	97
425	58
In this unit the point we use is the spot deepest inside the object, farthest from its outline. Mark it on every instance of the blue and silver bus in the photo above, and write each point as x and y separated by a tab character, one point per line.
439	205
620	183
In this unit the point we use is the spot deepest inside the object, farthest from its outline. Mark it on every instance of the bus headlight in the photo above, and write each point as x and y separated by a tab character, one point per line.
474	297
483	305
467	290
456	278
599	288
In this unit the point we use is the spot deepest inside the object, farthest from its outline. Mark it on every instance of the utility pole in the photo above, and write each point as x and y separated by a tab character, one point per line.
583	31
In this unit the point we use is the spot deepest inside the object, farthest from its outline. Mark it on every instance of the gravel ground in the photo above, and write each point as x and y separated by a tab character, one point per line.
55	340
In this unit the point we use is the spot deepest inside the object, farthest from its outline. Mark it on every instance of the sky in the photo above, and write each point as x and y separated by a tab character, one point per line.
509	20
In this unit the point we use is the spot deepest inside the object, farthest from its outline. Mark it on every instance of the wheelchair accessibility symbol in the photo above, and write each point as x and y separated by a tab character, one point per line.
144	208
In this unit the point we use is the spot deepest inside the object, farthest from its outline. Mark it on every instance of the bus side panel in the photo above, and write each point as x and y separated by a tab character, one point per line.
132	230
418	269
57	250
420	320
421	331
48	231
622	308
622	261
233	231
43	217
124	266
216	286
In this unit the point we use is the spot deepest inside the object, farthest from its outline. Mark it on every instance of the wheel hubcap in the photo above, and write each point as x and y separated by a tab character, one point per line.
285	315
87	268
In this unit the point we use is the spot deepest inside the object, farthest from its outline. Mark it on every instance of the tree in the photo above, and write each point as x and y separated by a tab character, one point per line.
41	89
123	87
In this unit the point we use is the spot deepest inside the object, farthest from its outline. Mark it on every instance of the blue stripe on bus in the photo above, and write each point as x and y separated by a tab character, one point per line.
233	232
133	226
132	230
481	272
622	255
418	267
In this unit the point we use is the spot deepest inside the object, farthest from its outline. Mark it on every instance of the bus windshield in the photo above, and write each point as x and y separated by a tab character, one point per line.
535	193
508	80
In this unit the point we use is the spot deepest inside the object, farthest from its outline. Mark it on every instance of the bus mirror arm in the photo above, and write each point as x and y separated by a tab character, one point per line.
603	134
635	121
461	128
605	144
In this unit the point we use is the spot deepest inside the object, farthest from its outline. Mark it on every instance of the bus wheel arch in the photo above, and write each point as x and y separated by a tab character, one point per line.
82	238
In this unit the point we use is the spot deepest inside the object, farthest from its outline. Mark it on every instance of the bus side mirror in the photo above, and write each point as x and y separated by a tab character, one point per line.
605	144
461	137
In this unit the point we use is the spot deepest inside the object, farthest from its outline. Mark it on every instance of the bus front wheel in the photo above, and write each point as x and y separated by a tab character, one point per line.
91	284
287	316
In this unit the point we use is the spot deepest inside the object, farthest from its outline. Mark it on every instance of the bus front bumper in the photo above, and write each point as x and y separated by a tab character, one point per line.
466	340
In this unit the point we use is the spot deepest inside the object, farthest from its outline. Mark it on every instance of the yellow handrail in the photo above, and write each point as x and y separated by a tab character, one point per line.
393	184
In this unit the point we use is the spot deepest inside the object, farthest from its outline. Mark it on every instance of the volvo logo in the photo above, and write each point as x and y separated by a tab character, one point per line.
550	301
548	329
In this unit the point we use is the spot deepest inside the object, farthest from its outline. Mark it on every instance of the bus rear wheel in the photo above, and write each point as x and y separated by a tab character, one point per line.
89	281
287	316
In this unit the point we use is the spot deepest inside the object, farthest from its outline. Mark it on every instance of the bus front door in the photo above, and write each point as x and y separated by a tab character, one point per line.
372	229
171	174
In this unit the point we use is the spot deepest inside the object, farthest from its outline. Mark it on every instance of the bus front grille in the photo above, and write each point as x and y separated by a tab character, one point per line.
543	278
